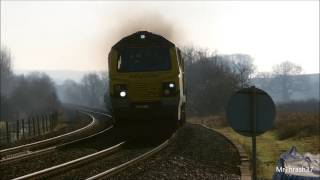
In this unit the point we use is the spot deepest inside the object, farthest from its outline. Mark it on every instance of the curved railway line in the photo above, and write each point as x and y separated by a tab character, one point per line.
60	168
123	166
91	157
103	161
71	164
48	145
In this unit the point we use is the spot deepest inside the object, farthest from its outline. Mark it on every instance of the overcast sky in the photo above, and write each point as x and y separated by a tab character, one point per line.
77	35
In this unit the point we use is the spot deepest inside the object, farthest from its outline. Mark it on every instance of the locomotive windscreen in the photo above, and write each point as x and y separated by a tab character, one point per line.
144	59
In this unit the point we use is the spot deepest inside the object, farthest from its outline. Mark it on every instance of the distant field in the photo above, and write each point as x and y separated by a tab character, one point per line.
291	129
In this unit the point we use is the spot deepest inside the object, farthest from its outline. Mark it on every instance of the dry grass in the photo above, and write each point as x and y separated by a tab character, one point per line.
297	124
291	129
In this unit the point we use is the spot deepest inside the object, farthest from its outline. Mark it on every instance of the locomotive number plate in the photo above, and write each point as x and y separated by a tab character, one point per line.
142	106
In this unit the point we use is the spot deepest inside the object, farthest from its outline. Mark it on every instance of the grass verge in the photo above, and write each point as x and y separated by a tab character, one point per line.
269	146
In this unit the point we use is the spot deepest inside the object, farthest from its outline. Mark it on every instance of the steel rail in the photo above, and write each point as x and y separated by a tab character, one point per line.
83	108
47	150
71	164
4	152
121	167
25	147
96	112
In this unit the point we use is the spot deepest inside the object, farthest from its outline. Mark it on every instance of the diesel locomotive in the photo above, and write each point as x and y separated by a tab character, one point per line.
147	82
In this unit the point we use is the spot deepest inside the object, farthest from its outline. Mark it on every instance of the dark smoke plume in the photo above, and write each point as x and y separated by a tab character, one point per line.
145	21
128	21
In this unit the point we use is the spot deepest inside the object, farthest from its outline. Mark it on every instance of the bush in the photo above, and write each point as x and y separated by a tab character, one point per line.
297	124
311	105
212	79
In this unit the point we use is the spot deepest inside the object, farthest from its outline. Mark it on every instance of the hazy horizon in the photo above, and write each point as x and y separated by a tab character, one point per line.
78	35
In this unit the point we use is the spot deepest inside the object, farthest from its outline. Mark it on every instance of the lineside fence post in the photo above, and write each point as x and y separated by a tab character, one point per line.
45	122
7	132
50	122
18	130
33	127
55	118
29	127
51	119
42	123
22	123
38	125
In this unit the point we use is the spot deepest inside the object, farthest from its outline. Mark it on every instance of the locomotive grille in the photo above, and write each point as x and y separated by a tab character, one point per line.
145	92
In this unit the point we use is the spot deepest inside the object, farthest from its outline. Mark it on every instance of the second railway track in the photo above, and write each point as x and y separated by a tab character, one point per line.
107	157
42	143
44	146
26	156
64	166
59	171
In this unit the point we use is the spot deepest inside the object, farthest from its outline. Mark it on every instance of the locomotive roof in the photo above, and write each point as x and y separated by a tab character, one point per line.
142	38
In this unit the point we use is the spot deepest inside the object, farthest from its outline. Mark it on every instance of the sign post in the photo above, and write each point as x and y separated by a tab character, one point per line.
251	112
253	128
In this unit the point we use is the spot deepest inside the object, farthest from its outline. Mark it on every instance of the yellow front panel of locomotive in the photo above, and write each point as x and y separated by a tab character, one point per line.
142	86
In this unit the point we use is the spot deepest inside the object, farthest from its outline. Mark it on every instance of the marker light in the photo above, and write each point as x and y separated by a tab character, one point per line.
166	92
123	94
171	85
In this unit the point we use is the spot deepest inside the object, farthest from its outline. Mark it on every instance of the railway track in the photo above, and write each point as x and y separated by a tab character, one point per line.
61	168
58	169
117	169
71	164
106	156
45	146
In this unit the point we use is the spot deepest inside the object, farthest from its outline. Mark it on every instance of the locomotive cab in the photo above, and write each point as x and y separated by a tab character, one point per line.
146	74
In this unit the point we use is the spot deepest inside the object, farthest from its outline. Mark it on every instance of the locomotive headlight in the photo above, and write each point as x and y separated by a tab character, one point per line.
123	94
169	88
120	90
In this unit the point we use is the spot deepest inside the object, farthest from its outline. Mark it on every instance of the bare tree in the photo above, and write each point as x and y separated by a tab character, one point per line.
263	80
212	79
105	79
285	84
34	94
6	74
90	91
93	89
242	66
24	95
70	92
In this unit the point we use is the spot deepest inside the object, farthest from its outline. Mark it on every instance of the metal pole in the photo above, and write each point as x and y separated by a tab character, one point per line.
253	126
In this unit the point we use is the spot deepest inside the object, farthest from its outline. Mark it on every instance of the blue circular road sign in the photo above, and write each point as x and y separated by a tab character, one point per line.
251	111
